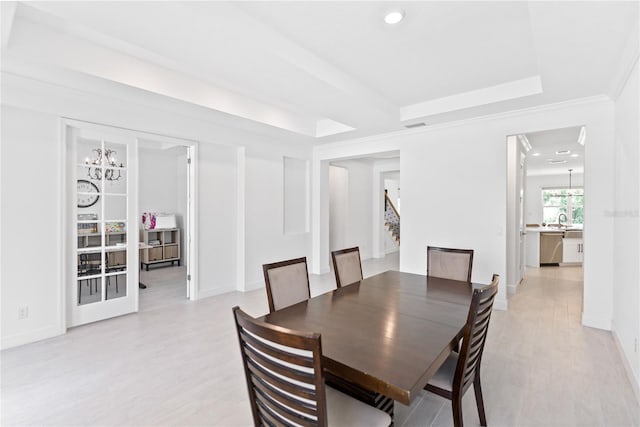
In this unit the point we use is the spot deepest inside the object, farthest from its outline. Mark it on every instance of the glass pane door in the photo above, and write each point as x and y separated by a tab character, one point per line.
102	286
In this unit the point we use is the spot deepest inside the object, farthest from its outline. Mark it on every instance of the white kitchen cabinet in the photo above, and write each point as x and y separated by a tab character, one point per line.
533	248
572	250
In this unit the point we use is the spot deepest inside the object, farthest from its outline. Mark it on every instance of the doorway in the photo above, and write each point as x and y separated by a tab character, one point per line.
102	225
545	201
163	188
356	203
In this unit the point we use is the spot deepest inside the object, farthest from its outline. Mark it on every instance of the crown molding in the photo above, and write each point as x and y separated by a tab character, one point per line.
628	61
591	100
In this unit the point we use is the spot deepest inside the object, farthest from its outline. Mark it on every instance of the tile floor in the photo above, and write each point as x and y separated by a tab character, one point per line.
178	364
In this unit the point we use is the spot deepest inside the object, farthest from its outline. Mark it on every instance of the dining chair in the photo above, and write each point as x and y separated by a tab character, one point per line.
89	264
461	369
112	267
449	263
347	266
285	379
287	283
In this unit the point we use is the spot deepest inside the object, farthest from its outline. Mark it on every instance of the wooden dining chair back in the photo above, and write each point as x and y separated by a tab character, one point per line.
347	266
283	371
285	379
450	263
287	283
462	369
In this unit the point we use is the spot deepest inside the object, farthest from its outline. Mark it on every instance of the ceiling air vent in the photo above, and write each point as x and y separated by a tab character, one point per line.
415	125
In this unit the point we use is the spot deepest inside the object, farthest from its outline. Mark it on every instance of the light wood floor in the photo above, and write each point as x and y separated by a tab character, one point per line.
179	365
166	285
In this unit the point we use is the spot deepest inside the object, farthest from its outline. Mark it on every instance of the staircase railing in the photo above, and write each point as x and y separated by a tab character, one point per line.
391	217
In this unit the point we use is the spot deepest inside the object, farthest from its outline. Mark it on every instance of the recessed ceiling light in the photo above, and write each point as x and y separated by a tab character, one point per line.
536	154
575	155
563	152
394	16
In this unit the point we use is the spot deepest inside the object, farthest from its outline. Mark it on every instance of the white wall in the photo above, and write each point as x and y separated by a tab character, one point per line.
454	195
31	265
533	192
357	231
217	226
265	238
158	180
338	206
454	191
31	112
626	217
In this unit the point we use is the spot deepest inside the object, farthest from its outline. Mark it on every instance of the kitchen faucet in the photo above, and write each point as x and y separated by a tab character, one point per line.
560	216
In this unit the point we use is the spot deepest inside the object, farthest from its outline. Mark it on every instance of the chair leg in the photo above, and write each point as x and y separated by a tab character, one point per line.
479	401
456	404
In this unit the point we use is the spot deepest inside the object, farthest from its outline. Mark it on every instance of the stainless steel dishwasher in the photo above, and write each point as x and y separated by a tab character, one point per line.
551	248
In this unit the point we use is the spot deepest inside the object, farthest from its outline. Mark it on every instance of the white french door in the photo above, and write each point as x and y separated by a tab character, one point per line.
103	269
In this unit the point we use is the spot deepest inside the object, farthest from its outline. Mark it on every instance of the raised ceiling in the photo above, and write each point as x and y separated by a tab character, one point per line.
543	158
330	70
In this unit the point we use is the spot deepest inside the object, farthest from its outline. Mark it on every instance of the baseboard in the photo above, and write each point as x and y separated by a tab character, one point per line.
598	323
500	304
206	293
253	286
325	270
627	367
512	289
392	250
29	337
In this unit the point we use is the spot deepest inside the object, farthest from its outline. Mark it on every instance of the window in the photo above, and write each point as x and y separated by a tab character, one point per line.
557	201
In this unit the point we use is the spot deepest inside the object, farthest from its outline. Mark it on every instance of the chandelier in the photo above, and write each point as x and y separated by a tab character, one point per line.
106	159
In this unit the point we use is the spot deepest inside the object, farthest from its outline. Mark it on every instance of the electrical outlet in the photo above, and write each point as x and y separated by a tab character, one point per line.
23	312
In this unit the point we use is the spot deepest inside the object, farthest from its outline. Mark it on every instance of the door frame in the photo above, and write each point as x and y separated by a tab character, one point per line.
514	146
515	224
191	224
67	243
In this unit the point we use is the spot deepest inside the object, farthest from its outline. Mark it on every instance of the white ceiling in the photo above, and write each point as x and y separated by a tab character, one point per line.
544	147
330	70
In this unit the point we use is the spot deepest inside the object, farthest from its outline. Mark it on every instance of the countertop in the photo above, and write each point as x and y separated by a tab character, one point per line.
551	229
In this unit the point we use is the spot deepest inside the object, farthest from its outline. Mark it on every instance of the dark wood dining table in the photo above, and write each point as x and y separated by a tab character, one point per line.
388	333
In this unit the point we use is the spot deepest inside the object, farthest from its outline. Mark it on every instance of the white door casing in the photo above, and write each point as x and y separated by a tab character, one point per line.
72	313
